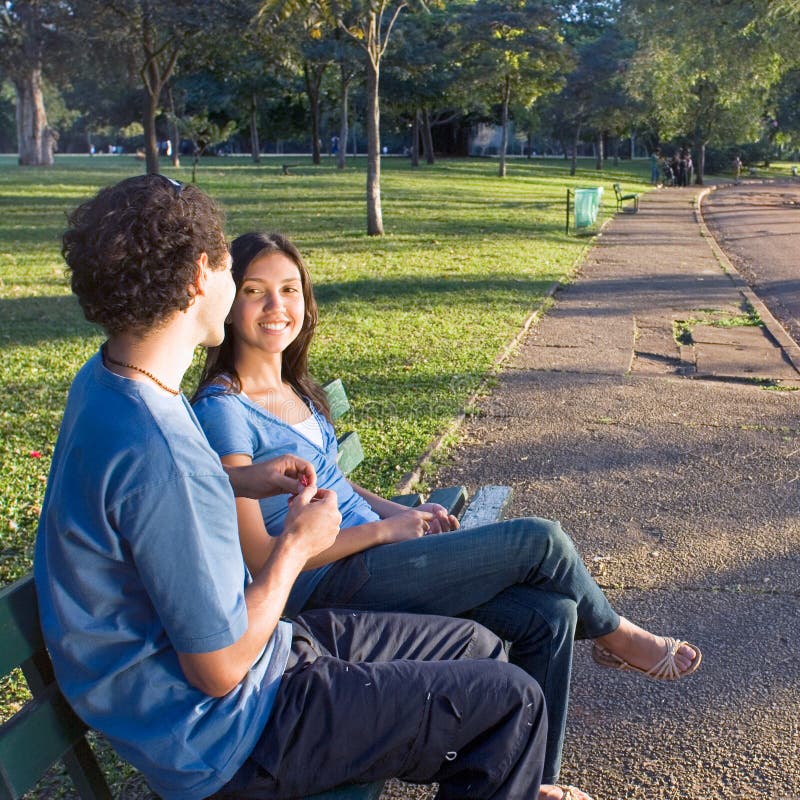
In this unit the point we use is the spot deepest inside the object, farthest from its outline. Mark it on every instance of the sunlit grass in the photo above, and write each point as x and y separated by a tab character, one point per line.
410	321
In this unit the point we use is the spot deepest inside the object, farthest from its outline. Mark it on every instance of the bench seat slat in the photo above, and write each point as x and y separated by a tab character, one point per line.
351	453
453	498
488	506
408	500
337	398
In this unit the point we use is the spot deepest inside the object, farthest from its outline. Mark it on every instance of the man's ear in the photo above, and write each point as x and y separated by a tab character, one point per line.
198	285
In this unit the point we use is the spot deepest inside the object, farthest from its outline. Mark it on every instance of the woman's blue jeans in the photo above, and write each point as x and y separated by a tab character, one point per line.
522	579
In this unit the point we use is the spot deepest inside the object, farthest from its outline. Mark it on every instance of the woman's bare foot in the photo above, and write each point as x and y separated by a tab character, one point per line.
561	792
643	649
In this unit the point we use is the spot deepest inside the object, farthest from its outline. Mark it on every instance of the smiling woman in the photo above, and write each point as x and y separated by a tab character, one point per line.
271	309
274	315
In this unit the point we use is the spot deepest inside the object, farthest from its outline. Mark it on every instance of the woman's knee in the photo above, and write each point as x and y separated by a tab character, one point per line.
560	612
551	530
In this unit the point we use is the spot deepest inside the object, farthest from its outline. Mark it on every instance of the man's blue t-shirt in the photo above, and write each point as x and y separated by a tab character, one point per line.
138	557
235	424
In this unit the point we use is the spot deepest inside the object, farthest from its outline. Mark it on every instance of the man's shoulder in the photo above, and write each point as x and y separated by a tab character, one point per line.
125	424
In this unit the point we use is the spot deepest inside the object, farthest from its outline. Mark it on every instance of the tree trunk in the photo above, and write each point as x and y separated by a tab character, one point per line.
150	138
313	83
430	157
700	167
35	141
599	153
175	135
159	64
255	145
415	139
151	77
530	145
374	215
344	131
504	139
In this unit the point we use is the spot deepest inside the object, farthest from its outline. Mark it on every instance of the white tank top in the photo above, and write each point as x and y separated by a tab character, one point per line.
310	429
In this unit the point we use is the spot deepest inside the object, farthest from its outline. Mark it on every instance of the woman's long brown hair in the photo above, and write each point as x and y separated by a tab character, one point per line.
294	366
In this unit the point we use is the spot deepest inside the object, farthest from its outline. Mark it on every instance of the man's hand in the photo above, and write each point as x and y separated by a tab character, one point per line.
313	521
286	474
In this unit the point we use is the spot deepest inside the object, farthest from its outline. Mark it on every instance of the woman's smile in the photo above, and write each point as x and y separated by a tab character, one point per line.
275	327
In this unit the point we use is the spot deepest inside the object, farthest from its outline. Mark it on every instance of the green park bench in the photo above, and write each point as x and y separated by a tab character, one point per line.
46	729
623	198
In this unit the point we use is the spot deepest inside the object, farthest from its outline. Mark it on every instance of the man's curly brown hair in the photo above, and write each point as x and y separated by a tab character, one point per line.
132	251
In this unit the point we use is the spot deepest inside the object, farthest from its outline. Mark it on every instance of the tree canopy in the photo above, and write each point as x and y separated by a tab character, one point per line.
571	76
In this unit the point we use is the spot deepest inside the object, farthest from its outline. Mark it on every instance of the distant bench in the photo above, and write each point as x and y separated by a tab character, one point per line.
624	198
46	729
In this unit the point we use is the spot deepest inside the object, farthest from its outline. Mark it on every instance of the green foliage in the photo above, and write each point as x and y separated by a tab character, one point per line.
507	41
703	71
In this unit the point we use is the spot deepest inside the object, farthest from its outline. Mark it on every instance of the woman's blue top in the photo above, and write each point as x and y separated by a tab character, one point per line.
235	424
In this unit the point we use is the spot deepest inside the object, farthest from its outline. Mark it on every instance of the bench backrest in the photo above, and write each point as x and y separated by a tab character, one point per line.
351	453
46	729
617	189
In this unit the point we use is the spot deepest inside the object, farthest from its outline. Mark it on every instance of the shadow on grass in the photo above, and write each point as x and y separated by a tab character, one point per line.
30	320
460	289
411	234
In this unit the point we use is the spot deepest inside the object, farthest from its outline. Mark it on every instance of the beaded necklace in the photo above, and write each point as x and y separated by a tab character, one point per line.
150	375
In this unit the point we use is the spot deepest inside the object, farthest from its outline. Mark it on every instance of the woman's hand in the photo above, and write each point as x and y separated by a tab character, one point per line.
442	521
410	524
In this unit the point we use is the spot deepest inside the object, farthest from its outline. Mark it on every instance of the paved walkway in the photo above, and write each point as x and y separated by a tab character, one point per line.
676	467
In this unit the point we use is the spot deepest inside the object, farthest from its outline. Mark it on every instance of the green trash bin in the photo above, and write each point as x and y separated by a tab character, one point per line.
587	206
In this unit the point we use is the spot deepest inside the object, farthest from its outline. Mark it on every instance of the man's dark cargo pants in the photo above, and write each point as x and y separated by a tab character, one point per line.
426	699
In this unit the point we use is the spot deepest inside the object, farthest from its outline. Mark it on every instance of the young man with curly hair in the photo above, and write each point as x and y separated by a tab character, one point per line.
160	638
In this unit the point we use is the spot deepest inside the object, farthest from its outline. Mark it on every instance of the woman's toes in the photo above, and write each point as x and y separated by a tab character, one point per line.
684	657
561	792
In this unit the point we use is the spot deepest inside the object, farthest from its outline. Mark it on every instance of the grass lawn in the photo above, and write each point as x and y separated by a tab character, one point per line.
410	321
